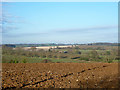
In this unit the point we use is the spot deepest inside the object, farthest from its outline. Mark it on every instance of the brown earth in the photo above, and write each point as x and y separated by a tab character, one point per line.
60	75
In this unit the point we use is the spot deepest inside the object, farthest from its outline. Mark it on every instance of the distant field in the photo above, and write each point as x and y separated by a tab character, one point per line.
58	54
46	47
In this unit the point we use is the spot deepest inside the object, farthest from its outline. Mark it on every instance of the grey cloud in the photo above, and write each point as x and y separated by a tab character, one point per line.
8	28
25	34
86	29
8	22
9	19
56	32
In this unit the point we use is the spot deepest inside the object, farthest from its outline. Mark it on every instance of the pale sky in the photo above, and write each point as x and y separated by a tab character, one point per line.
60	22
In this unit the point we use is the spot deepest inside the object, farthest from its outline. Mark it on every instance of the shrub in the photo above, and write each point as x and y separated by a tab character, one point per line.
84	58
13	61
78	52
75	57
49	56
55	56
76	47
43	56
110	61
58	62
46	61
62	56
108	52
24	61
94	54
117	58
16	61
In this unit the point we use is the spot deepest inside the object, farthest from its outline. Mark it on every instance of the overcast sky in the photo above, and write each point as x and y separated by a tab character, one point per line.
60	22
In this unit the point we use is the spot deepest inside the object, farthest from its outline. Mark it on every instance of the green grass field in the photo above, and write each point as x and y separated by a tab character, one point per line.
73	55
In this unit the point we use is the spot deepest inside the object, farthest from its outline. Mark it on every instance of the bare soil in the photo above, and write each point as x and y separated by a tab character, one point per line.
60	75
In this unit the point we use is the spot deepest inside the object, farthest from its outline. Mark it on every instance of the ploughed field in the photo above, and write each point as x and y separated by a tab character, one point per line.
60	75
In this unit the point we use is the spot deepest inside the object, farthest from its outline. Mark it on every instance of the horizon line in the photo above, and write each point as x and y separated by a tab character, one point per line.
61	43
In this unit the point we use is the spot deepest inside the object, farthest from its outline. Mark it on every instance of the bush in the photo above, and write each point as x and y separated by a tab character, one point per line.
78	52
55	56
75	57
43	56
117	58
108	52
94	54
84	58
49	56
16	61
62	56
24	61
58	62
13	61
46	61
76	47
110	61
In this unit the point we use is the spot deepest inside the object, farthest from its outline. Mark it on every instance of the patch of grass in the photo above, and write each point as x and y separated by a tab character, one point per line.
20	59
